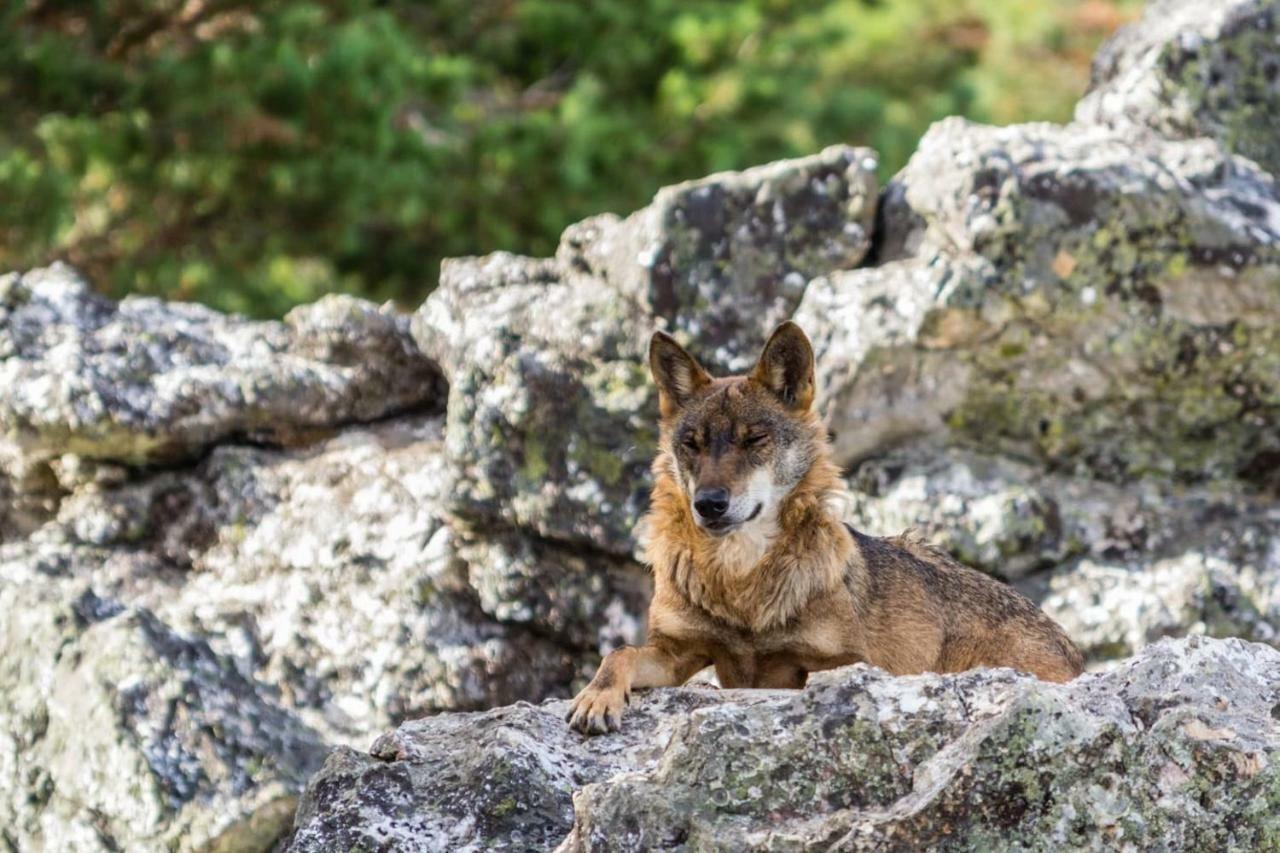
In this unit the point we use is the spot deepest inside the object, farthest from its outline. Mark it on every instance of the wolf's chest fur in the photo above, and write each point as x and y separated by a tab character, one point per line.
742	551
758	626
765	603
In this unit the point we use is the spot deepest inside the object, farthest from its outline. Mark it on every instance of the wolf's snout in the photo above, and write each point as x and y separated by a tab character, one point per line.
711	503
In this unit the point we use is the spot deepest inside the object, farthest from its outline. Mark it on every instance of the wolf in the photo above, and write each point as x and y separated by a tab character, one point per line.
756	574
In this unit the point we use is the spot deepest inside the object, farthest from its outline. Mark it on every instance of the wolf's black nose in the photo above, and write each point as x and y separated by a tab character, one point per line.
711	503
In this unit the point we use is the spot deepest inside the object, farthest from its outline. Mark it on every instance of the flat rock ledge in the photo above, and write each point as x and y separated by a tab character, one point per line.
1176	748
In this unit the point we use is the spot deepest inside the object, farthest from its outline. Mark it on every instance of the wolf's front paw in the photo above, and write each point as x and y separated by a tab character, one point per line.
597	711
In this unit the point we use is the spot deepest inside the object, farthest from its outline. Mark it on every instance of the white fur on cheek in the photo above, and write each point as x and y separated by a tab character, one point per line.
745	547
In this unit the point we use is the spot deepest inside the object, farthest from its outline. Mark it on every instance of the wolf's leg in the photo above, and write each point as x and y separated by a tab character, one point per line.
780	672
598	708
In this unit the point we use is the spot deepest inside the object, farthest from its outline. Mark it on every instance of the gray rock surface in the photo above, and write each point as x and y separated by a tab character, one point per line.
549	424
724	259
1013	519
1104	308
144	381
1191	69
328	571
118	733
858	760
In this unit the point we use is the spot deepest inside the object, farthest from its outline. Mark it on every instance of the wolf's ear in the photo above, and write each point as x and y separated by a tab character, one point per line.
786	366
678	374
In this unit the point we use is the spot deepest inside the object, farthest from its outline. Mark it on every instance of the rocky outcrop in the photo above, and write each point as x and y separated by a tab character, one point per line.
228	546
144	382
316	569
1195	69
118	733
227	552
1106	312
858	760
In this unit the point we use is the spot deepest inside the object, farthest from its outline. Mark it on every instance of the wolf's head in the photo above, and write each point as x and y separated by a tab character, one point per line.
739	445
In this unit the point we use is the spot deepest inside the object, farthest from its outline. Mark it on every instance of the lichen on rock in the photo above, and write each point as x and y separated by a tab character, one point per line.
1195	69
121	733
1100	311
858	760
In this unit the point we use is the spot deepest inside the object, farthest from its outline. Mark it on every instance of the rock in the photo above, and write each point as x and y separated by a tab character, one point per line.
552	417
876	387
722	260
120	733
1190	69
857	760
587	601
330	572
145	381
1104	313
1012	519
1225	583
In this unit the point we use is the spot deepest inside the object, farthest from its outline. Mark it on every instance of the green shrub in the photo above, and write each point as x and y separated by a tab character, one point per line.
253	155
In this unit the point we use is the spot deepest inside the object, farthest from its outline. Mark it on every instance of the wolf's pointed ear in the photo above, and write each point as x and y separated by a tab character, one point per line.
786	366
677	374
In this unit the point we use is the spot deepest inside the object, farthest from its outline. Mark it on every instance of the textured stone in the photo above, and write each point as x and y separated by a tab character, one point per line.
587	600
857	760
1100	309
1226	585
723	259
550	425
329	571
1012	519
1191	68
116	732
144	381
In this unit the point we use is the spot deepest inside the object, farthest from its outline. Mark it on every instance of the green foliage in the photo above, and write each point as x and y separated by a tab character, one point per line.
253	155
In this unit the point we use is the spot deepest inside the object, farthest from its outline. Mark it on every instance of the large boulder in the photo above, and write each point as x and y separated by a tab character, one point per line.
1177	747
1101	307
119	733
1224	582
1013	519
327	572
331	572
551	424
1191	68
144	381
724	259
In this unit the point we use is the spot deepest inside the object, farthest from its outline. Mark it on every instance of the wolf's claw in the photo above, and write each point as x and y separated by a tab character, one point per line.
595	711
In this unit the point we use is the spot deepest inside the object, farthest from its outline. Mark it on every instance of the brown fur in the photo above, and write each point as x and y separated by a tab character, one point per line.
820	594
